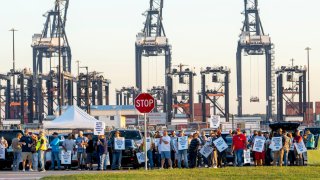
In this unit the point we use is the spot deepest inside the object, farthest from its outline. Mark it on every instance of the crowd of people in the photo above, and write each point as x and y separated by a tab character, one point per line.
163	152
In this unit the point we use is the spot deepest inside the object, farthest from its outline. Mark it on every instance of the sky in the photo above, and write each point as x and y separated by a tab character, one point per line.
202	33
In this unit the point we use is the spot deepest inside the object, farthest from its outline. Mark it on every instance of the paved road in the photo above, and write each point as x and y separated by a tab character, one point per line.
10	175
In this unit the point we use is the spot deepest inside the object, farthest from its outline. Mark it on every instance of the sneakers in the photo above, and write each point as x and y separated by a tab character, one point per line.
31	170
23	170
42	170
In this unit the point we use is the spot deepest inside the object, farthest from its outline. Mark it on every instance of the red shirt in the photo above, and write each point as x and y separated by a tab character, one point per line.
297	139
239	142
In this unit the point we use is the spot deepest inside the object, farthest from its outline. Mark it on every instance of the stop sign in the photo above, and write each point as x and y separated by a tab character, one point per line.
144	103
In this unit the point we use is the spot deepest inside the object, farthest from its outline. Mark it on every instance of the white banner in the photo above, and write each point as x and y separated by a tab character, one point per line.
214	121
140	157
220	144
2	152
246	155
148	143
206	150
119	143
276	143
157	118
183	143
300	147
66	157
258	145
99	128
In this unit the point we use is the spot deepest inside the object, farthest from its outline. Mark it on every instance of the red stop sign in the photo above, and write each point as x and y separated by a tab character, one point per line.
144	103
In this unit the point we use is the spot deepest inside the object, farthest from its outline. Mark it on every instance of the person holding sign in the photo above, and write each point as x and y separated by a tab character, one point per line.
278	153
258	147
68	145
102	150
117	151
183	149
298	139
221	155
239	144
150	147
165	149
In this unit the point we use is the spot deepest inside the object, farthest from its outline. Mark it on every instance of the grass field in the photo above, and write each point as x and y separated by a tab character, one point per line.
310	172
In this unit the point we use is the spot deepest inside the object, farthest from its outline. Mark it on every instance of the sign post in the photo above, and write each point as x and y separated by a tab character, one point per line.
144	103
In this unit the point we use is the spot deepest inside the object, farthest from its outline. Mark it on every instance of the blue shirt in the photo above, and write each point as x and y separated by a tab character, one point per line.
55	145
79	140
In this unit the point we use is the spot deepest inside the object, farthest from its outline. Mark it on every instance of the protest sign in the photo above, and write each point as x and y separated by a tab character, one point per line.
157	142
258	145
119	143
206	150
300	147
220	144
148	143
140	157
183	143
66	157
276	143
246	156
2	152
99	128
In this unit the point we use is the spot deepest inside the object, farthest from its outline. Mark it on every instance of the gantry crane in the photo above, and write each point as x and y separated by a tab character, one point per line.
152	41
183	100
253	41
220	90
289	88
126	95
53	43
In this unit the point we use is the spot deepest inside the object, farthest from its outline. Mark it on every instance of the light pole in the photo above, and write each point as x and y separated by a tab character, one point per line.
308	58
13	63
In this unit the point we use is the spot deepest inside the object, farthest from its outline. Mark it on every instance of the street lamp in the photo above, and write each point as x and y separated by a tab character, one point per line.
87	91
13	62
308	58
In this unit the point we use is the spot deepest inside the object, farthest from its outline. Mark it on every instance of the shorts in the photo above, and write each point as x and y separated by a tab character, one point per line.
165	155
84	155
89	158
26	156
259	155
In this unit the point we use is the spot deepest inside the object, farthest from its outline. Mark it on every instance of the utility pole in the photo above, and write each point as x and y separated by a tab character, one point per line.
59	71
13	63
308	58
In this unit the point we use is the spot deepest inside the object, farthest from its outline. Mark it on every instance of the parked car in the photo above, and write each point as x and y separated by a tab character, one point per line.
133	140
229	154
8	135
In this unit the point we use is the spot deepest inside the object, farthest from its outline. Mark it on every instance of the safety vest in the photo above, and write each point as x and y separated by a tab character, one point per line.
43	146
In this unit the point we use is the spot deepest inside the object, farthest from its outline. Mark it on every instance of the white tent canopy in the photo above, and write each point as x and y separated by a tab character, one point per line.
72	118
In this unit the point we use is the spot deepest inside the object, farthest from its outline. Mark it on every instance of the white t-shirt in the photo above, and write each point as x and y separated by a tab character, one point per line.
165	147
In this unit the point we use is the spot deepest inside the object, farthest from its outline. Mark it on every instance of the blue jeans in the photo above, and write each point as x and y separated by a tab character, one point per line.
285	157
55	157
116	159
239	154
150	157
184	154
158	158
35	159
103	162
41	159
16	161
